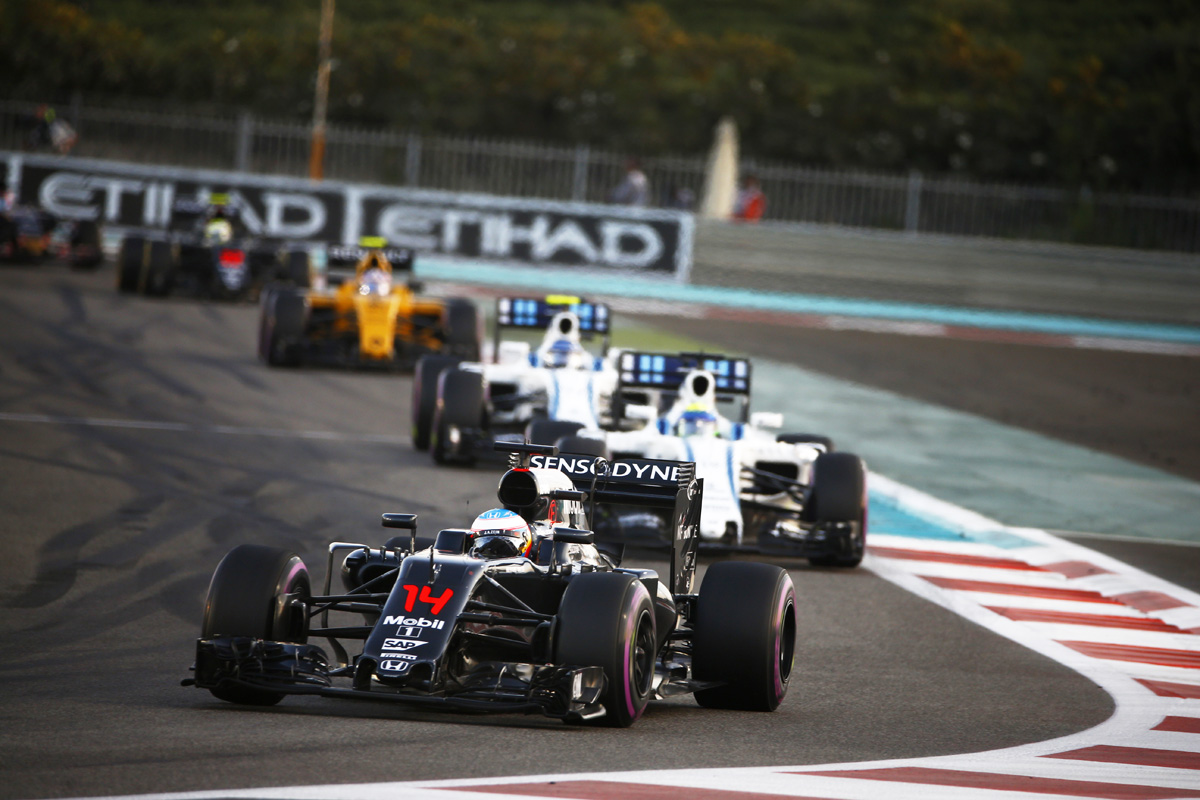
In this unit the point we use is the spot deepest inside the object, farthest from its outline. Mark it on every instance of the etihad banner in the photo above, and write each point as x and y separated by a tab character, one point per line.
468	226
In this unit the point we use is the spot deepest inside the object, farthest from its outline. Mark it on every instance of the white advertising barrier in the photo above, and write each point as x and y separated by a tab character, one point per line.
592	237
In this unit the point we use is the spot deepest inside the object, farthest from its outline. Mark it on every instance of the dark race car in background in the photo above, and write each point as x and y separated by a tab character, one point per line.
565	631
31	235
207	252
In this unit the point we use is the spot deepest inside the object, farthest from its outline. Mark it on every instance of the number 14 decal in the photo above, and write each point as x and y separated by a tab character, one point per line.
423	594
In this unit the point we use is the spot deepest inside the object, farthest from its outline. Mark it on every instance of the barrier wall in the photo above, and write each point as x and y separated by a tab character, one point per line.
592	237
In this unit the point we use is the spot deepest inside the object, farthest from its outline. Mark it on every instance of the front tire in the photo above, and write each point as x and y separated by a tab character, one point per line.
606	619
840	495
744	635
257	592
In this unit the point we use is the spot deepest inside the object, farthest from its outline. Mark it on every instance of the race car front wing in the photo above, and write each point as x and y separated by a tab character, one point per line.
563	692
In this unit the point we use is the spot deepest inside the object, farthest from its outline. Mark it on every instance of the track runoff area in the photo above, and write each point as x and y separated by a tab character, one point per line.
1131	633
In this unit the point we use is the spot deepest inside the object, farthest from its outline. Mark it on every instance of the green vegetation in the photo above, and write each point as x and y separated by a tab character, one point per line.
1096	92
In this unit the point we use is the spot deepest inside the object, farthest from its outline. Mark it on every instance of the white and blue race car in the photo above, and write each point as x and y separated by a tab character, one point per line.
786	493
519	392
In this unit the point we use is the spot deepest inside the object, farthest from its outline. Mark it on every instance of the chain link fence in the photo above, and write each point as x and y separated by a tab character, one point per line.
913	203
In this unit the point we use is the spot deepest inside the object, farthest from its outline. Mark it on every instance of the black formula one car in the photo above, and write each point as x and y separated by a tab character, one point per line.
33	236
207	252
563	630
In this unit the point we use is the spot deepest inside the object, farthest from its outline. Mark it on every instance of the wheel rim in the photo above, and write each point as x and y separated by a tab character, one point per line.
642	656
785	645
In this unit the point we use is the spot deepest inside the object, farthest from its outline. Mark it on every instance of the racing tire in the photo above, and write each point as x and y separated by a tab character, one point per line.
129	264
286	314
744	635
839	494
253	593
606	619
424	396
462	329
295	267
460	403
265	299
806	438
583	445
86	246
549	431
159	275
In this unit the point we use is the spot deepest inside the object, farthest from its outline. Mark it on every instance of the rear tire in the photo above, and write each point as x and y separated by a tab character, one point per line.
296	268
840	495
86	246
745	635
549	431
460	404
251	594
606	619
582	445
160	269
424	396
130	261
462	329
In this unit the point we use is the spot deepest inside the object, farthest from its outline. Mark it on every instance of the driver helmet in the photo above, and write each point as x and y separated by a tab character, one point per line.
375	281
500	533
697	420
218	230
562	353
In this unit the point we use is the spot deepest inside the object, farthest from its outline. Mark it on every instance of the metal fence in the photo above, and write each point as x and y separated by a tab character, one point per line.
912	203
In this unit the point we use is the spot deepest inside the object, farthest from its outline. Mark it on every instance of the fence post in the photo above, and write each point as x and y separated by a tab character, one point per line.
583	158
245	131
76	117
912	203
412	160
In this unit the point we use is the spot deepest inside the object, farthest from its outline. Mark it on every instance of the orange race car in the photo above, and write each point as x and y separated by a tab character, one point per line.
372	317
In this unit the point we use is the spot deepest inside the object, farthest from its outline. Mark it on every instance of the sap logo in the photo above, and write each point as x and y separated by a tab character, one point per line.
394	666
411	622
400	644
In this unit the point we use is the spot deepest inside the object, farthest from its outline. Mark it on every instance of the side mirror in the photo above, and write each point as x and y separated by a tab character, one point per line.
644	413
772	420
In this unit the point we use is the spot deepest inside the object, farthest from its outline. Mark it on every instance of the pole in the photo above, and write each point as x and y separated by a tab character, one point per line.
316	158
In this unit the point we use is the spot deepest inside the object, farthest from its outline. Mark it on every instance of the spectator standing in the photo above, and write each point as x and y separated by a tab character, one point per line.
634	189
680	197
51	132
751	202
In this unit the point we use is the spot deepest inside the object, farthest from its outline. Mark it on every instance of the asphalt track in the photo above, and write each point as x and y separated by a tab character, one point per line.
110	532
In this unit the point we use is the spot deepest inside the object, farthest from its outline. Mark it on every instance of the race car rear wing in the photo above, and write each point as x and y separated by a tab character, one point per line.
341	256
665	371
665	485
536	312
